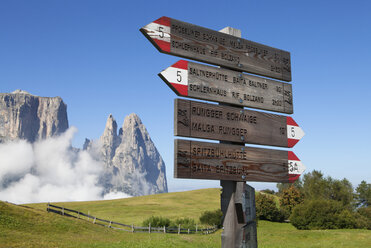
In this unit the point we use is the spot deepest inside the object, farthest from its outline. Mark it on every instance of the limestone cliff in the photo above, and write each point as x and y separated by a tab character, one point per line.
29	117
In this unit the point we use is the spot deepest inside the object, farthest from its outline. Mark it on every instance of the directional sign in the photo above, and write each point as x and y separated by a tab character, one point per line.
216	84
201	160
190	41
210	121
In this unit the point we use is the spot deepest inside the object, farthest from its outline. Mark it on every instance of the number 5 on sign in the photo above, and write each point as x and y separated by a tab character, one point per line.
294	132
177	75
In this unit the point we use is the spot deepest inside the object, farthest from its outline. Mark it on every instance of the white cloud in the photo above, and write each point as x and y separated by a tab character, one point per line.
50	170
11	163
115	195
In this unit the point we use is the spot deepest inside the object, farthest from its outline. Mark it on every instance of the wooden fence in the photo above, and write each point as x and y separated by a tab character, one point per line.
128	228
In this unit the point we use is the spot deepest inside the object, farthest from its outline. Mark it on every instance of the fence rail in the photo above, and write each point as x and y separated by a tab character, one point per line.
128	228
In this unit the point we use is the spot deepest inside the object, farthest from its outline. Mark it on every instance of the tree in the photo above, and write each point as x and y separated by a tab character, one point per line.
298	184
268	191
316	186
363	195
290	198
341	190
266	208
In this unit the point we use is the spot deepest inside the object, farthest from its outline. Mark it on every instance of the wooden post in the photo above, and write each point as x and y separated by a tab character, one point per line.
196	228
110	224
62	210
94	219
233	234
132	227
179	229
78	214
164	229
149	228
47	208
246	214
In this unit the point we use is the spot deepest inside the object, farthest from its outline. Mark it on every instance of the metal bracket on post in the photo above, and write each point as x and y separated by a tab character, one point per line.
246	214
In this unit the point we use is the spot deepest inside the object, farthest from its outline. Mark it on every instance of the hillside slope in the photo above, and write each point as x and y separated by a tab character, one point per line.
134	210
32	226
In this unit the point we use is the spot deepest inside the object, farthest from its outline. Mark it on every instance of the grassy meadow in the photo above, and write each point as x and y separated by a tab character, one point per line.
31	226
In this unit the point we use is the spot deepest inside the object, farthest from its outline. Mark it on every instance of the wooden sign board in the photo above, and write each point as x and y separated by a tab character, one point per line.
201	160
194	42
221	85
210	121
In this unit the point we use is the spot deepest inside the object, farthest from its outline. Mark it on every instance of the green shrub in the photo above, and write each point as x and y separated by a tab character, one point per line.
185	223
346	220
364	217
266	208
285	212
322	214
212	218
157	221
365	211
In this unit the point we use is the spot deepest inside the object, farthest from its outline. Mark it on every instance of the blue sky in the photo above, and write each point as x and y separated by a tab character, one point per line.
92	54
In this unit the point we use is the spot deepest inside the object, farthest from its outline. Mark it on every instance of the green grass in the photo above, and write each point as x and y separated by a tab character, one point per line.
134	210
284	235
32	226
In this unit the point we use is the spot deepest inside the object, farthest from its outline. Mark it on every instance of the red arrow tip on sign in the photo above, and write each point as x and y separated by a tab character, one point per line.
158	32
295	167
181	64
294	132
176	76
163	21
293	178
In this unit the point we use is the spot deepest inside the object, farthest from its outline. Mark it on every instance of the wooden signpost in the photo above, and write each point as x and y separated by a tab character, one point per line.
201	160
204	82
229	161
210	121
190	41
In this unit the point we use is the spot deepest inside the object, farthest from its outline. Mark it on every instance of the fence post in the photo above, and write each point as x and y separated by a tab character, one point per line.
47	209
110	224
132	227
62	210
78	215
196	229
94	219
188	230
149	228
164	229
179	229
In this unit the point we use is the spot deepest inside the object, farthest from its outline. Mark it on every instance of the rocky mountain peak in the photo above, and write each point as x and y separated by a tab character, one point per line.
18	91
109	139
132	120
131	159
134	129
111	126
